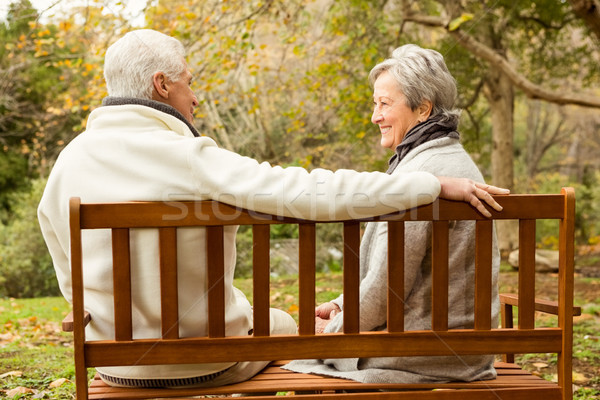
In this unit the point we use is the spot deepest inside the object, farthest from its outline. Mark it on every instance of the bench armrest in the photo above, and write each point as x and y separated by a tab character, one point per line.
546	306
67	323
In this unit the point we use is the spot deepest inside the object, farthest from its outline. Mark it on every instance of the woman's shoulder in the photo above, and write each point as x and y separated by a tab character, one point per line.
445	156
437	148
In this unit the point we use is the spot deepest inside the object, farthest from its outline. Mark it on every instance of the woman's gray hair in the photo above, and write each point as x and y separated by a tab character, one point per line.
422	75
131	62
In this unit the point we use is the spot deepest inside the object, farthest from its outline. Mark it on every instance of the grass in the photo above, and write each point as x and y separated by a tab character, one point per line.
36	356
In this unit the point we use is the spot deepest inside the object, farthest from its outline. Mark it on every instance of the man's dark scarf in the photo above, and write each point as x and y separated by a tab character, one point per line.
434	128
157	105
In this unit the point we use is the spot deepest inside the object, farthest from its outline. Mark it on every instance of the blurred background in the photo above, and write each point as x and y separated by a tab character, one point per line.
286	82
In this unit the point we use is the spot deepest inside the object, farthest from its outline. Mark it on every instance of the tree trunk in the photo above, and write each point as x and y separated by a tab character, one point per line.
498	90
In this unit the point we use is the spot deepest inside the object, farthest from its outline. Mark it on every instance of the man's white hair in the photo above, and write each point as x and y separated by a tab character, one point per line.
131	62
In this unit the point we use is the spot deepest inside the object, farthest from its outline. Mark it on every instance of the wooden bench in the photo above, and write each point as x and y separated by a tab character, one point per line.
512	382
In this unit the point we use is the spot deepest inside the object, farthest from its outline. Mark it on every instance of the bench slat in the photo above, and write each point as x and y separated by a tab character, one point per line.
339	345
395	310
306	283
121	284
275	379
187	213
351	277
215	264
526	274
169	302
439	276
260	279
483	274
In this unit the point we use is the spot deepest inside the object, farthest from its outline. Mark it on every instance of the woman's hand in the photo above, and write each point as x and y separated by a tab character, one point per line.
325	309
324	314
472	192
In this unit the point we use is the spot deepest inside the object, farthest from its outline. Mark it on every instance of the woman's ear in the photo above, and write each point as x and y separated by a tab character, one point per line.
160	92
425	110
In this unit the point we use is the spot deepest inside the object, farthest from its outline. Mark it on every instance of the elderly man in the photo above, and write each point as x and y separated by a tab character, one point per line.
142	145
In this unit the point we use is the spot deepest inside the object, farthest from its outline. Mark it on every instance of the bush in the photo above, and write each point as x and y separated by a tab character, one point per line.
26	268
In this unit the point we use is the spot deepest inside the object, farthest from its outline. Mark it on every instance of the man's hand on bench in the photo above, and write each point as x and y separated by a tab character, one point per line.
472	192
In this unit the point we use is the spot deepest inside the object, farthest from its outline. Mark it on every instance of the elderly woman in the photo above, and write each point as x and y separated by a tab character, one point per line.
414	106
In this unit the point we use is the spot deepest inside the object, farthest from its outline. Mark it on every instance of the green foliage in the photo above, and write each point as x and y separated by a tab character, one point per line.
26	268
587	212
12	169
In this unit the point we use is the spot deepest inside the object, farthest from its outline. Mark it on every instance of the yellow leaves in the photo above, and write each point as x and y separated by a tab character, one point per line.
45	32
14	374
65	26
57	383
457	22
579	378
19	390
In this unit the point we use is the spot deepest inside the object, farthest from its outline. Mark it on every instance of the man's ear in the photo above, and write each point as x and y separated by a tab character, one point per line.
161	91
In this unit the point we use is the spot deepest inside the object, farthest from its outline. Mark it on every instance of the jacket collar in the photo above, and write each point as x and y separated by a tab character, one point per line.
157	105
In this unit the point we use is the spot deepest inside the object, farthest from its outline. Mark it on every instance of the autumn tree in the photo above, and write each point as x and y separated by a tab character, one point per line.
525	47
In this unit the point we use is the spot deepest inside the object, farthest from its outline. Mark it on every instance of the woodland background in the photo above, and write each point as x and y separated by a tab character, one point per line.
285	81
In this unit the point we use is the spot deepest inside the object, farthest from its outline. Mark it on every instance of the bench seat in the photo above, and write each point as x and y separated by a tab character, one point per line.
275	379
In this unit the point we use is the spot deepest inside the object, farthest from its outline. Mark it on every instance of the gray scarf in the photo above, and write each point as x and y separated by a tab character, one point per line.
433	128
157	105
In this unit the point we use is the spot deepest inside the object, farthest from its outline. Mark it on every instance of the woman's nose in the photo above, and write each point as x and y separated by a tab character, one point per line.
376	117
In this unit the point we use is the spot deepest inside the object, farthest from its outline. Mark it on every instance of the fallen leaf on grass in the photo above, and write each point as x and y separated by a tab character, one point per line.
11	373
58	382
19	390
579	378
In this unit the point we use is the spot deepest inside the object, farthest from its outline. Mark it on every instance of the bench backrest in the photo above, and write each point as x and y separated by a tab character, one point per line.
482	339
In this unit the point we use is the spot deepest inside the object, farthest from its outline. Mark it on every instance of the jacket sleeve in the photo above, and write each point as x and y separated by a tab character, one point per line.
294	192
59	255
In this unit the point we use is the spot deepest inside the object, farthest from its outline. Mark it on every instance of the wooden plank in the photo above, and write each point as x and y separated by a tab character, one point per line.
506	312
78	305
351	277
483	274
527	247
439	276
338	345
189	213
122	284
470	390
542	305
260	279
395	308
566	272
215	264
169	299
306	280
